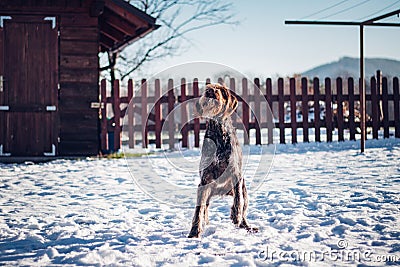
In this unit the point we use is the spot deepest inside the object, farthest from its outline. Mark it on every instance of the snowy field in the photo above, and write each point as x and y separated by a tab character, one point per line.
320	205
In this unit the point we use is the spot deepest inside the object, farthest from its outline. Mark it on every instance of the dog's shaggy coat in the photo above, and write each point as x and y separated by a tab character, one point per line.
221	159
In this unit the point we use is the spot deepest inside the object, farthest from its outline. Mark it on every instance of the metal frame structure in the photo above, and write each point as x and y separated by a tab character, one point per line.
361	25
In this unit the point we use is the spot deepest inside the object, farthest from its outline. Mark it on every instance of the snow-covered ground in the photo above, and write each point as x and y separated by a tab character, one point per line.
320	204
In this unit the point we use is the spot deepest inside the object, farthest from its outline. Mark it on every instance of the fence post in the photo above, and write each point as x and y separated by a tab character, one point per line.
375	108
246	111
171	119
385	107
184	115
281	99
339	113
117	116
131	115
328	110
304	108
396	97
352	122
257	110
270	113
103	136
293	109
157	112
196	126
317	119
143	88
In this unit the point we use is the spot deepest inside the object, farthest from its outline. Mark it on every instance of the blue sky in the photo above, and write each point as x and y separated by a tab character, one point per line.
263	45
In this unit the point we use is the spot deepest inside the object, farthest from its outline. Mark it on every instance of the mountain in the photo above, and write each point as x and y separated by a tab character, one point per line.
349	67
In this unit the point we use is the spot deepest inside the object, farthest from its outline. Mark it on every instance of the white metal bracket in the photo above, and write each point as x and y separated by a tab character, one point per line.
2	18
52	153
96	105
4	154
53	21
51	108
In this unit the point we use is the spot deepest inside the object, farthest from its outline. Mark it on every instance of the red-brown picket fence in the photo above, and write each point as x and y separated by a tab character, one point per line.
334	105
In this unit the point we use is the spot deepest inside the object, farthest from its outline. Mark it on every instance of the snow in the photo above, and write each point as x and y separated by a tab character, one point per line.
321	198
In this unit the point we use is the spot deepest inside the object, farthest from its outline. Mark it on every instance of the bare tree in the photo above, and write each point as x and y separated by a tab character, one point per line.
177	18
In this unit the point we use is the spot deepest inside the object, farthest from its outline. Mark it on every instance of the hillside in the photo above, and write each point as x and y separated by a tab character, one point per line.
349	67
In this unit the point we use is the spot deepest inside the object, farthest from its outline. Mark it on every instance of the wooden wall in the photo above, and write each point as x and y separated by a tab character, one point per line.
78	69
79	78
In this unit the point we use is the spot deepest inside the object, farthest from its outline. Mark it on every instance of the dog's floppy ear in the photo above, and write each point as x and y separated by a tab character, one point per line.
231	102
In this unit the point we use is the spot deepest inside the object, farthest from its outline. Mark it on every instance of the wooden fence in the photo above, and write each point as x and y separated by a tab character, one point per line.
334	105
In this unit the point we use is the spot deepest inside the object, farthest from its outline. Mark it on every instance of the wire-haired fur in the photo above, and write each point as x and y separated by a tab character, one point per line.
221	159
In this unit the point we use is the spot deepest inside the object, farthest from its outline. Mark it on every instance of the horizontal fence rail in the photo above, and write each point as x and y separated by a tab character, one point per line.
268	109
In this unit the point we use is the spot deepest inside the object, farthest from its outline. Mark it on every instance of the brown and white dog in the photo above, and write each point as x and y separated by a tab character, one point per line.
221	159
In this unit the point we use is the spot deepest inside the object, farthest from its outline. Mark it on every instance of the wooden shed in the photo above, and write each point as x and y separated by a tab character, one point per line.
49	71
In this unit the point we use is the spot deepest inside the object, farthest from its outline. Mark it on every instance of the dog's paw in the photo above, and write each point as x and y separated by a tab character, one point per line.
193	236
194	233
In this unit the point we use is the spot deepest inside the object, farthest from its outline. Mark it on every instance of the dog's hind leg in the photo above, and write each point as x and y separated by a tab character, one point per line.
244	223
237	207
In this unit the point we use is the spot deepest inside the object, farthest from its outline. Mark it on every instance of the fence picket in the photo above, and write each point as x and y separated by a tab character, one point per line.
339	114
352	123
304	108
293	109
385	107
375	108
257	110
281	106
317	118
117	117
270	113
157	112
184	115
143	88
171	119
131	115
328	109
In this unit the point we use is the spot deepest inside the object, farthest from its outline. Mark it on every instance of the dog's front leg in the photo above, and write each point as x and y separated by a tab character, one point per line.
237	207
206	220
203	196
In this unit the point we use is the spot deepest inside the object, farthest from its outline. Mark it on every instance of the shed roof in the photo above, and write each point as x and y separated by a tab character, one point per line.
121	23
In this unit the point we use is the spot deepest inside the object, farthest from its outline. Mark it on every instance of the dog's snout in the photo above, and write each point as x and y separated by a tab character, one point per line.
210	93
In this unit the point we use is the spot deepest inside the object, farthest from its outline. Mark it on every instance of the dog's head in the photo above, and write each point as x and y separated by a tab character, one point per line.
216	102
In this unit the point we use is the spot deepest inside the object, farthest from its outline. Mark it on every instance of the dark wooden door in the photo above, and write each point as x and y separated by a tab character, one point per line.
29	92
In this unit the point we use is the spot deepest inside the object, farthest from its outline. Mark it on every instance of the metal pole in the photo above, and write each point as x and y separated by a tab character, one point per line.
362	89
